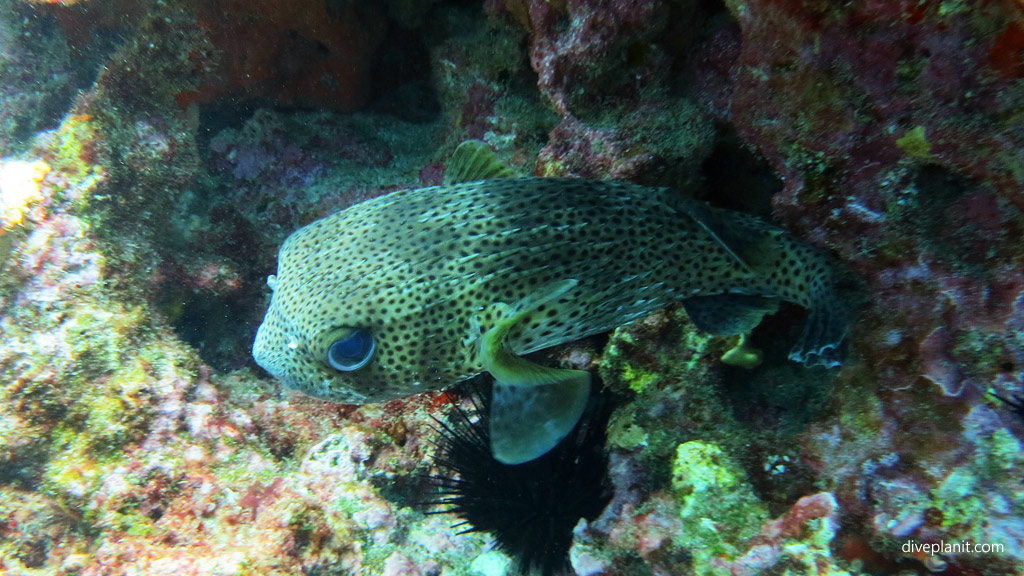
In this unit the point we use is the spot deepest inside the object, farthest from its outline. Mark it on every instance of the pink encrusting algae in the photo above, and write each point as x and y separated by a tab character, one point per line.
144	192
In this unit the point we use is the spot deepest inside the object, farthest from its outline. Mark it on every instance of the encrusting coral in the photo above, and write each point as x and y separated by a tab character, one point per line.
145	193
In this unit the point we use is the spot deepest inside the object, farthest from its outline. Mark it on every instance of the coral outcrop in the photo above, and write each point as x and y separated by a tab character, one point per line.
153	155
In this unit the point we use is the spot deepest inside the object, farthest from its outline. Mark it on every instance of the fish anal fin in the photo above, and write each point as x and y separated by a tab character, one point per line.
472	161
527	420
729	314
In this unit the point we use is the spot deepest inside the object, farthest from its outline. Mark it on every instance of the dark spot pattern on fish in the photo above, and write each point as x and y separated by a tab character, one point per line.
428	272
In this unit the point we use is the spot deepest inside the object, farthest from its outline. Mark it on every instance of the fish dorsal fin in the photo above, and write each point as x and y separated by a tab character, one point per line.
533	406
473	160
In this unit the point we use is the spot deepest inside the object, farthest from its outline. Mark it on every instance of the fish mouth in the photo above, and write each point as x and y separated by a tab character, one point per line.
266	352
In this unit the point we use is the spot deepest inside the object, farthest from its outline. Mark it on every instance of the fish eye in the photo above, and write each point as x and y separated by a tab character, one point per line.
352	350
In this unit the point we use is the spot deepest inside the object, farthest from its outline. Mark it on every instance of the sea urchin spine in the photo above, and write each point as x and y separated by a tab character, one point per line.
530	508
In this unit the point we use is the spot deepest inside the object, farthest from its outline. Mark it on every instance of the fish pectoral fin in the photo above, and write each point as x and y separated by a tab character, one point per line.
505	316
531	415
729	314
533	406
472	161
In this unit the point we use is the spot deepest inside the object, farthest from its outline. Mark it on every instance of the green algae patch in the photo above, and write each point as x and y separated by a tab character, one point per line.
76	146
624	433
717	504
74	472
552	168
1004	451
670	372
638	378
915	144
119	412
98	334
956	498
862	415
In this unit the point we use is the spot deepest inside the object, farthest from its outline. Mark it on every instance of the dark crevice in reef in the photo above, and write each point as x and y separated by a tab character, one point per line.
935	218
221	324
775	402
41	71
738	179
26	473
212	325
780	394
221	115
401	82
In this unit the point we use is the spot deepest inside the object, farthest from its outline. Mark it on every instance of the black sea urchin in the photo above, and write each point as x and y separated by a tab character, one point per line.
530	508
1015	403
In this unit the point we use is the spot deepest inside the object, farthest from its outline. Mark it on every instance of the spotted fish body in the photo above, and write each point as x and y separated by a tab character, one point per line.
530	262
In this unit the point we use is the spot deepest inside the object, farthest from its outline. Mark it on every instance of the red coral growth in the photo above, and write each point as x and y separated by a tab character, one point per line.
309	53
808	508
1007	55
578	47
773	545
478	111
258	494
587	152
824	92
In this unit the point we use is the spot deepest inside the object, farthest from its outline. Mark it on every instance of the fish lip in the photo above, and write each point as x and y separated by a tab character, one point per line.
258	344
265	354
272	354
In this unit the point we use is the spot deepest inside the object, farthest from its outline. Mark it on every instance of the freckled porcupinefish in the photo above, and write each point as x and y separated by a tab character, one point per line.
418	289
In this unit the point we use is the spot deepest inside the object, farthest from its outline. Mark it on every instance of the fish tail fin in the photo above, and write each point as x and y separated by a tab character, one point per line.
761	250
823	341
